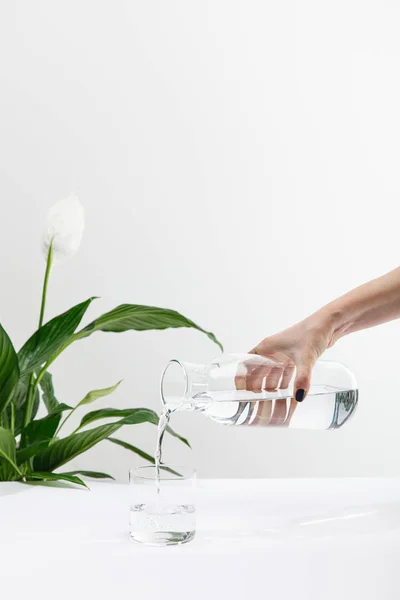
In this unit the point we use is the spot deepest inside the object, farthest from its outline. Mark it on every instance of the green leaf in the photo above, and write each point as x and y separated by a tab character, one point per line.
94	394
7	448
50	338
42	476
133	449
38	434
92	474
133	415
140	453
9	371
25	454
64	450
141	318
41	429
5	420
48	397
61	408
19	400
181	438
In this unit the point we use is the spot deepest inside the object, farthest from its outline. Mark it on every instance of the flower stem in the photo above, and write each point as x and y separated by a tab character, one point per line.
45	283
32	383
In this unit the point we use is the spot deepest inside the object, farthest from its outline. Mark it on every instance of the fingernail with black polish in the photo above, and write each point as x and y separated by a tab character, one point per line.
300	395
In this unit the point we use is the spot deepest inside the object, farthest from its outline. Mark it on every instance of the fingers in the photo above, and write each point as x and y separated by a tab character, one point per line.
255	377
279	413
263	414
240	382
264	374
292	407
250	375
240	377
272	379
276	413
302	380
287	377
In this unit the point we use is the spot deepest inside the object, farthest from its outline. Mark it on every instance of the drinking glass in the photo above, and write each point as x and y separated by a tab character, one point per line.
162	512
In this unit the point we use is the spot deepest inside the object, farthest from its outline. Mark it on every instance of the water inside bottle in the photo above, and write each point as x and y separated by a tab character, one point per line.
325	407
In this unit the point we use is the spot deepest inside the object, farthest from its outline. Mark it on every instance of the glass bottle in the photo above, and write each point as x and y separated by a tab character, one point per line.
236	390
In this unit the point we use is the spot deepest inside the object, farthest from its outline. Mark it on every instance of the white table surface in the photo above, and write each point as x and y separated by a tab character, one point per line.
303	539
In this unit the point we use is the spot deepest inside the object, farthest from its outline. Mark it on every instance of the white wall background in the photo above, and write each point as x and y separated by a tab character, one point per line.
239	162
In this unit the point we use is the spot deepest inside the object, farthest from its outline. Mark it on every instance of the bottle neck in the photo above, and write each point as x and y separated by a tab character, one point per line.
184	386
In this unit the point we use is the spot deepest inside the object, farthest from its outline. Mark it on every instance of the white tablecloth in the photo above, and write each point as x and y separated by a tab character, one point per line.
302	539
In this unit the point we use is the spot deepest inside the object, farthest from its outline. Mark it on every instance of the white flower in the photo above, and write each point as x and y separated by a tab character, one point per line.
65	224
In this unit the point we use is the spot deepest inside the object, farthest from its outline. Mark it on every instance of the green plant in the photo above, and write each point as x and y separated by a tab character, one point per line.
31	448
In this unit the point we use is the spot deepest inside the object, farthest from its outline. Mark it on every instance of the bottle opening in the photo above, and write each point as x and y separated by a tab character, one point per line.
174	384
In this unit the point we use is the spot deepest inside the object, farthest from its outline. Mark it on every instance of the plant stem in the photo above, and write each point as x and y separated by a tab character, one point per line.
29	403
14	466
12	417
32	384
63	423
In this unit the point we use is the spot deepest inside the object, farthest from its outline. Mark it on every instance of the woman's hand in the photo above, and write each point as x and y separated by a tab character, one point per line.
296	350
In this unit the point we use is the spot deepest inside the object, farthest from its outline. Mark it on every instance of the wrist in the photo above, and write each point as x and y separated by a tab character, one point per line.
331	322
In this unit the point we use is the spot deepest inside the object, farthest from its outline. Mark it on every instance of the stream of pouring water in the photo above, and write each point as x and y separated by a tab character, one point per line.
162	426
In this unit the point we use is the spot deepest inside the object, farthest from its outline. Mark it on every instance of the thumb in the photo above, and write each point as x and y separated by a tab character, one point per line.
303	378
